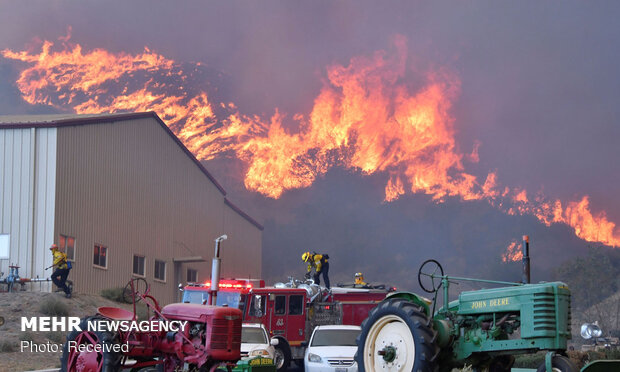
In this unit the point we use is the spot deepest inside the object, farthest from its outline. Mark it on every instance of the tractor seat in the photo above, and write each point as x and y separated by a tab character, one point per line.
115	313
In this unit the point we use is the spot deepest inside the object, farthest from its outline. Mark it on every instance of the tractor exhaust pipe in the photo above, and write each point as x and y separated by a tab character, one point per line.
526	260
215	271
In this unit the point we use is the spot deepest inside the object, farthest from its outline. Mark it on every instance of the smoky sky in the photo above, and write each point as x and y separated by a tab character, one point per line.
539	92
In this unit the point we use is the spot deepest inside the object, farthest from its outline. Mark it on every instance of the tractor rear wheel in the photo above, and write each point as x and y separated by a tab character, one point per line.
559	364
78	358
397	337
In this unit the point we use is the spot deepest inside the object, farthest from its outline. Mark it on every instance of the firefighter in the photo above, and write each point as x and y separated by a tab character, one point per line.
61	271
320	264
359	280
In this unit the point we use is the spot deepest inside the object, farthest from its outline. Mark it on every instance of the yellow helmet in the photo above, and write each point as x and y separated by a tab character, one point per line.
359	279
305	257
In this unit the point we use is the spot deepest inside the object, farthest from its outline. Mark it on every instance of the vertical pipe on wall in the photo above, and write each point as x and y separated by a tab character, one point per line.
33	180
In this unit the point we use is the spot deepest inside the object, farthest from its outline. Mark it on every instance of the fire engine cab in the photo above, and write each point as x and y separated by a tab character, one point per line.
290	311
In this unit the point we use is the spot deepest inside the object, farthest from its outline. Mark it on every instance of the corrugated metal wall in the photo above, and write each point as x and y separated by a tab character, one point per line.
130	187
27	197
241	256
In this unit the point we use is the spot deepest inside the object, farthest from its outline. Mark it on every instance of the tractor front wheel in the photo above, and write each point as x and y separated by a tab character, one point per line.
559	364
397	337
90	350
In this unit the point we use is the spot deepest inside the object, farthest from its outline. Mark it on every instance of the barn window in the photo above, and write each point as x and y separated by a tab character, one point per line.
160	270
66	244
192	276
138	265
100	256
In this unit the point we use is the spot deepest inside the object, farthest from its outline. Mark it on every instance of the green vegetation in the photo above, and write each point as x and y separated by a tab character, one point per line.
52	306
529	360
7	347
142	312
56	336
114	294
27	336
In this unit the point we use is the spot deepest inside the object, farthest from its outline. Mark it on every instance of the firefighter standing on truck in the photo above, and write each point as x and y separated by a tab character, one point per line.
359	280
320	264
61	271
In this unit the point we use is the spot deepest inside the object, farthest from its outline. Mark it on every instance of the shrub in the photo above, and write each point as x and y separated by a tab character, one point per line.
26	336
114	294
142	312
54	307
55	336
529	360
6	347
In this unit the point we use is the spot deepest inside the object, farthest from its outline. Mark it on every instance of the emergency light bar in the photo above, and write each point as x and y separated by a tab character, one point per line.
237	284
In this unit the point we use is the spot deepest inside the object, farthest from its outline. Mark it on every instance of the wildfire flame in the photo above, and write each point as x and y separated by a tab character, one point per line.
366	118
513	253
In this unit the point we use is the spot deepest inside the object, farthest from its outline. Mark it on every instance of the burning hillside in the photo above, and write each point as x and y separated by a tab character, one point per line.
368	118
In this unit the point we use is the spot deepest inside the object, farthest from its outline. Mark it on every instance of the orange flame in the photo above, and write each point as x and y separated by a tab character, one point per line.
513	253
366	118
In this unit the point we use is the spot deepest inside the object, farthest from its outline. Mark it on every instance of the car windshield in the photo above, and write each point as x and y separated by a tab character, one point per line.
230	299
251	335
335	337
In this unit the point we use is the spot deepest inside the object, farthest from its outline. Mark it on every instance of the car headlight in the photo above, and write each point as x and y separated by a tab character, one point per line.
314	358
259	352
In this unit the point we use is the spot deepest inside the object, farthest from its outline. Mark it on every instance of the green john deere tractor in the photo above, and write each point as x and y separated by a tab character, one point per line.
483	329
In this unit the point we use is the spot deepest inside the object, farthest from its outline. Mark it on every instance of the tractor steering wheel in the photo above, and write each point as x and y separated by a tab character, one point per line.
429	269
140	287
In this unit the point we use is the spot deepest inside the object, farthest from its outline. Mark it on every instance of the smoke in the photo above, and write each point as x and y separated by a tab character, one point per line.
537	91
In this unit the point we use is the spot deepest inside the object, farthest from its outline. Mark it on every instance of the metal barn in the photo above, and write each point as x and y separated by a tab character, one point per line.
123	197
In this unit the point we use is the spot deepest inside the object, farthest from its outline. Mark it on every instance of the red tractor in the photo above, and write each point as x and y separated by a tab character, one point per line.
205	338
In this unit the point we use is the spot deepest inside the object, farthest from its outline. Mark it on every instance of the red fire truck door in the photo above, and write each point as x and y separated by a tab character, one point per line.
287	318
296	318
278	315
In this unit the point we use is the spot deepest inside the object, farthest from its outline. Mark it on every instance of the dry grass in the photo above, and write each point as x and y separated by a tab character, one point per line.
53	306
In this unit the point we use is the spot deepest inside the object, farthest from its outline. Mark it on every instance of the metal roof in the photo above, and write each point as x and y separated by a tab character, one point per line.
25	120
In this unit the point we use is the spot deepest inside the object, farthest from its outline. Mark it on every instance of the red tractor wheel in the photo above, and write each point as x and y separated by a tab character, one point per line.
81	353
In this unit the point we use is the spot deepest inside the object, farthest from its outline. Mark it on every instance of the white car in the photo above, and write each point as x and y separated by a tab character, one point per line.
255	341
331	349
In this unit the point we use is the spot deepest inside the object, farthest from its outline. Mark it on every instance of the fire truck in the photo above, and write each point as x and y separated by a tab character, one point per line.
290	311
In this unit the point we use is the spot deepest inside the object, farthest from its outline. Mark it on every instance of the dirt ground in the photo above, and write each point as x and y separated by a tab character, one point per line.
14	306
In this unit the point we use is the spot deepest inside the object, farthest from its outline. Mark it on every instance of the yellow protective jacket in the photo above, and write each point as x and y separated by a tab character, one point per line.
60	259
317	262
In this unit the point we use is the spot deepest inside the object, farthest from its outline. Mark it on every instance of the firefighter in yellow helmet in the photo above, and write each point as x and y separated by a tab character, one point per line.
359	279
320	264
61	270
